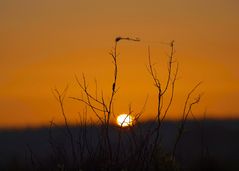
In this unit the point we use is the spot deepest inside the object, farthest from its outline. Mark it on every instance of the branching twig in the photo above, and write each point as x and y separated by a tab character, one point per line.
186	110
60	98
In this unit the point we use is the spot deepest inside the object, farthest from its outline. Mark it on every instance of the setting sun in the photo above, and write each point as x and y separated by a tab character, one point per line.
125	120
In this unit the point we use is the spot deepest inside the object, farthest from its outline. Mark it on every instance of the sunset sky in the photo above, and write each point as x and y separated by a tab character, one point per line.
45	43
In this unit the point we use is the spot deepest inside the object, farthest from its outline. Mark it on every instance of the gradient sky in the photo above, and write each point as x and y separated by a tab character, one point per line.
44	43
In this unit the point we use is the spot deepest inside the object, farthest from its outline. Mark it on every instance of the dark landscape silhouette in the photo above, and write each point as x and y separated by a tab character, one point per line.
211	147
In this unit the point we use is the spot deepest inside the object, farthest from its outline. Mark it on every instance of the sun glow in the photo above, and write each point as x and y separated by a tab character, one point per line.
125	120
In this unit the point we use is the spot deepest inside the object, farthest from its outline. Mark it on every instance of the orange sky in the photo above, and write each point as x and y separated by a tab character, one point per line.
45	43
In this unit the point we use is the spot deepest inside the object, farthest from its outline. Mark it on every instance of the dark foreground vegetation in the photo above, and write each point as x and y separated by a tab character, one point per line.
211	146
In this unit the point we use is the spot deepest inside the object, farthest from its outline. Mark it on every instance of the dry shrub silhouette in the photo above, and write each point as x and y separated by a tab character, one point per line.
114	147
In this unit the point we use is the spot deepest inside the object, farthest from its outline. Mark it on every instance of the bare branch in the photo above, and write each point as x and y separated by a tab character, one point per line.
84	87
172	94
87	103
186	110
169	67
188	97
60	98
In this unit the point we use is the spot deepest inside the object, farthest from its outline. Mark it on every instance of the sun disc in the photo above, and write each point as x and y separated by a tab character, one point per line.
125	120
